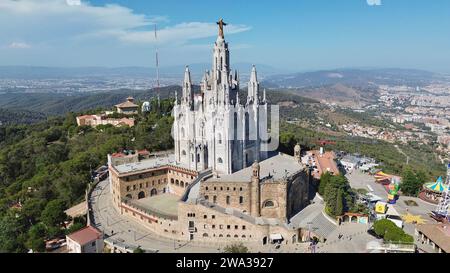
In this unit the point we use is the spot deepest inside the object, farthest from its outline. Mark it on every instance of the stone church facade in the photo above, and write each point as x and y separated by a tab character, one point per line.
214	129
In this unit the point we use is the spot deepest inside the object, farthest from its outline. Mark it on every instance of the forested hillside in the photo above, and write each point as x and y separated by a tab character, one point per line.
45	169
421	158
11	116
59	104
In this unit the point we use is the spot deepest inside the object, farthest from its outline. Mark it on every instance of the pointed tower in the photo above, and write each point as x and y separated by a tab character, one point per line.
221	58
255	191
188	95
253	87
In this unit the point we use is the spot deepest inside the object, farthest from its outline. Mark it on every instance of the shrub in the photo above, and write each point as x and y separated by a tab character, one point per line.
236	248
390	232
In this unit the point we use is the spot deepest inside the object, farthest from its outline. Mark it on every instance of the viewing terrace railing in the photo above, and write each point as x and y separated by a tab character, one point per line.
395	247
151	212
123	247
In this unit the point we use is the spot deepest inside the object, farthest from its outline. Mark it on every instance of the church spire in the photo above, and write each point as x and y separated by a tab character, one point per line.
187	75
253	87
254	76
187	87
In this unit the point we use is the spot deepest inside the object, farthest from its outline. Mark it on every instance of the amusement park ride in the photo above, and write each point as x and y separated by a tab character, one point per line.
442	211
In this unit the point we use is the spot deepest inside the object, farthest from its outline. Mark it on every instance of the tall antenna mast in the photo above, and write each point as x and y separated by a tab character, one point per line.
157	66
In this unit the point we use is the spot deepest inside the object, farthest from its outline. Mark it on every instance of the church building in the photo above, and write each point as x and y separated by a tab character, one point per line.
220	184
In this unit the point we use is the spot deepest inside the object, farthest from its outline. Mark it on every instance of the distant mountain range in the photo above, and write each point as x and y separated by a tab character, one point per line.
49	104
197	70
58	104
349	87
352	77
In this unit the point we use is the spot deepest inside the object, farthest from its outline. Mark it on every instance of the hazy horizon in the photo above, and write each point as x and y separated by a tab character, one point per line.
296	36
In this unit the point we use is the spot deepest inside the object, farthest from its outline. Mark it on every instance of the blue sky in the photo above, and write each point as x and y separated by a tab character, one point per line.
291	34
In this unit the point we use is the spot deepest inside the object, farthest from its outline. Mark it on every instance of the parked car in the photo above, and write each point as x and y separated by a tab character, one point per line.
103	175
102	169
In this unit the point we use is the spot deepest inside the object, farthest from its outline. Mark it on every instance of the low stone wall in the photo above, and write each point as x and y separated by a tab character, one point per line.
119	247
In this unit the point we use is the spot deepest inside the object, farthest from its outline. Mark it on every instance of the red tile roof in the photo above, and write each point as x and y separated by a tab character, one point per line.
118	155
85	116
325	163
85	235
143	152
127	104
438	233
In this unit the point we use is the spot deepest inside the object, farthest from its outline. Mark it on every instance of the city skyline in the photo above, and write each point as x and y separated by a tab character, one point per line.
308	36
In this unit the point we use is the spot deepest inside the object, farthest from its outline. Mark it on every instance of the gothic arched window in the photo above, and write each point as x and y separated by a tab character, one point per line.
220	160
247	127
235	125
268	204
219	138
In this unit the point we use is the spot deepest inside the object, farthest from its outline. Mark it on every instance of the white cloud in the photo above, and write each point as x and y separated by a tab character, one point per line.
53	21
18	45
63	32
374	2
180	33
73	2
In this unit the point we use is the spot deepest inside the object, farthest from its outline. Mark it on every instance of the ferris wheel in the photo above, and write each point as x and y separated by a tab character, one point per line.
444	204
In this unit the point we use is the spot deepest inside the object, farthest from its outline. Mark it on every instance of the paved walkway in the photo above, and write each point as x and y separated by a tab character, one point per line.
354	240
312	218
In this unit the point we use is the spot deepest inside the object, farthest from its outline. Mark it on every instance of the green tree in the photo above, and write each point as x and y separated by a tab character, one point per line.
138	250
324	180
32	209
412	182
236	248
339	209
36	237
53	214
390	232
12	233
331	197
338	195
287	142
381	226
74	227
